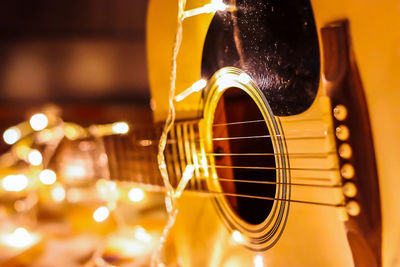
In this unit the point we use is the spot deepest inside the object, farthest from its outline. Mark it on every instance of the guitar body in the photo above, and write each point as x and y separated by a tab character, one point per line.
308	235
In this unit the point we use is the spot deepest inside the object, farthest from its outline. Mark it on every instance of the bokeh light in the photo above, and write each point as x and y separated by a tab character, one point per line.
35	157
38	121
47	176
12	135
14	183
101	214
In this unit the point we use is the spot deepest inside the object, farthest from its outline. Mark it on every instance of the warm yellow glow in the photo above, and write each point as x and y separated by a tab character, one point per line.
196	87
46	136
15	183
258	261
20	238
47	177
75	171
71	131
136	194
124	245
101	214
38	121
11	135
120	128
58	193
22	151
237	237
107	190
142	235
35	157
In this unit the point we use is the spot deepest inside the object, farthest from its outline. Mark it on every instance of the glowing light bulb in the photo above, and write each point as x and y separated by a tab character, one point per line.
244	78
218	5
195	87
258	261
35	157
120	128
15	183
136	194
237	237
11	135
47	177
142	235
214	6
58	193
20	238
38	122
101	214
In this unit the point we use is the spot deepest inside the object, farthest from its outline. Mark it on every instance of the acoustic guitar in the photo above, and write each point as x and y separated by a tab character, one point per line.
294	138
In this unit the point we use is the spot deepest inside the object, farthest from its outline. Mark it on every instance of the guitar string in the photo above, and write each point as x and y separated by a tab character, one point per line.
269	168
265	136
259	121
213	193
210	193
336	205
172	142
293	155
274	183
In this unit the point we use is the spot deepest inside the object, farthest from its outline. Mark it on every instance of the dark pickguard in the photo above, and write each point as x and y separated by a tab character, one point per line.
275	41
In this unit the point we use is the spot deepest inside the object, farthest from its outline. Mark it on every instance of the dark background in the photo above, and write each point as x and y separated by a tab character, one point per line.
86	56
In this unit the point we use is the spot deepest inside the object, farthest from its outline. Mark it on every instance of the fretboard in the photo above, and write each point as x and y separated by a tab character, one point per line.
133	157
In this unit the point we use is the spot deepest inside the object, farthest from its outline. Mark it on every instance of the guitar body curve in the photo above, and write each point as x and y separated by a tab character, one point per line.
314	235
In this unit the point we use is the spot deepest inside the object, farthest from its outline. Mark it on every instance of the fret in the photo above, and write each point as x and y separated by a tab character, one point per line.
120	146
113	160
146	159
133	157
140	158
135	165
181	152
175	155
188	151
152	151
124	150
170	165
131	149
203	162
192	140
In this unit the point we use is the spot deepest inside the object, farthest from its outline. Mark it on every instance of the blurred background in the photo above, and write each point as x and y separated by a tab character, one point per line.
88	57
88	60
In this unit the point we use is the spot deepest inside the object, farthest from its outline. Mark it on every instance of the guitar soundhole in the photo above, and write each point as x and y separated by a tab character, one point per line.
244	156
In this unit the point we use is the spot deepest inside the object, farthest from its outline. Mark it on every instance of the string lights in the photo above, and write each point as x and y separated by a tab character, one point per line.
101	214
12	135
25	172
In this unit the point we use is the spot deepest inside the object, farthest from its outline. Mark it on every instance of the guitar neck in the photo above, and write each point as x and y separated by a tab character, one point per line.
133	157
